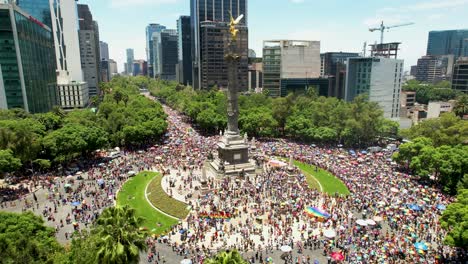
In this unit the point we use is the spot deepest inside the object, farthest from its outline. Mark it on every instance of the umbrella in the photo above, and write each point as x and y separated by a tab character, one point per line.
67	185
186	261
75	203
182	231
414	207
378	218
100	181
314	211
420	246
69	177
361	222
337	256
79	173
370	222
441	207
286	248
393	189
330	233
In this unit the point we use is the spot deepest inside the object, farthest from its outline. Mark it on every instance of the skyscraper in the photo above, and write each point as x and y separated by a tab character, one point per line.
453	42
89	47
184	64
39	9
130	59
73	91
168	54
104	50
150	51
212	16
379	79
27	62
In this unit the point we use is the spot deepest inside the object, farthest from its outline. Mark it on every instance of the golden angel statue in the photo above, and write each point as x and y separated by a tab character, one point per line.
233	24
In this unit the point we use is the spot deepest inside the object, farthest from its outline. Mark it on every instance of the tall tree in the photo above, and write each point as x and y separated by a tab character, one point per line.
118	237
227	257
455	220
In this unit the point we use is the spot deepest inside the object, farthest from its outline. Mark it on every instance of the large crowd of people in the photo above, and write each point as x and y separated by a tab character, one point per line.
389	217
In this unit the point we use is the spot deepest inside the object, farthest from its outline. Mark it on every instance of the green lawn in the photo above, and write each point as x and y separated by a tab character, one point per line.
164	202
329	182
133	195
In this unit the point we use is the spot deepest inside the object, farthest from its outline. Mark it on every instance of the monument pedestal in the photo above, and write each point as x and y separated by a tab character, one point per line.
233	157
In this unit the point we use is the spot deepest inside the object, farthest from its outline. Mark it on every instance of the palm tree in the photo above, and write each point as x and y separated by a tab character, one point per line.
119	239
227	257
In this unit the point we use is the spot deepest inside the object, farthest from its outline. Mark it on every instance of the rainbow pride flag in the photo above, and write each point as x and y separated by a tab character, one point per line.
316	212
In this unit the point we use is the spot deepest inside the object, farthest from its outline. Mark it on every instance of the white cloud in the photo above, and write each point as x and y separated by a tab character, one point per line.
132	3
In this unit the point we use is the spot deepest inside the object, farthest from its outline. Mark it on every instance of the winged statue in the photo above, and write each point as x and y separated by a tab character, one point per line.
233	24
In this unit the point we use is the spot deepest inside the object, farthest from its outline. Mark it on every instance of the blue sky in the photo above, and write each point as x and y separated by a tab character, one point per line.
340	25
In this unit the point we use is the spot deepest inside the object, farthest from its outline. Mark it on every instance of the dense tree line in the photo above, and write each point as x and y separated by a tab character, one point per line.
303	117
426	92
121	117
438	150
116	237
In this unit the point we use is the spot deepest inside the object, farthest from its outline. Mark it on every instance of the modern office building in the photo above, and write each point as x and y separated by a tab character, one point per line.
39	9
104	50
89	49
113	70
104	71
448	42
433	69
184	51
379	79
289	59
460	75
130	59
407	102
158	51
150	47
27	62
169	54
333	67
214	48
140	68
72	90
205	16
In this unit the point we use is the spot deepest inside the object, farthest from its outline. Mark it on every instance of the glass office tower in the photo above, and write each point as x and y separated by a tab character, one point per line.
448	42
39	9
27	59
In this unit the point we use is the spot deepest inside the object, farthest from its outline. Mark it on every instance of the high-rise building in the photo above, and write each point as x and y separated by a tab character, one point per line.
104	50
113	68
89	49
334	67
379	79
130	59
433	69
255	77
289	59
169	56
39	9
209	17
214	48
150	50
72	90
27	62
104	71
448	42
184	64
460	75
140	68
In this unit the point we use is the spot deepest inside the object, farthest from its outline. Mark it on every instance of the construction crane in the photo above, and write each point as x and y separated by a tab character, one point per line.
382	29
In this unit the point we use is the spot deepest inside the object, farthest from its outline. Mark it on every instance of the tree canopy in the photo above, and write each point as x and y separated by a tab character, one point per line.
455	220
25	239
426	92
304	117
